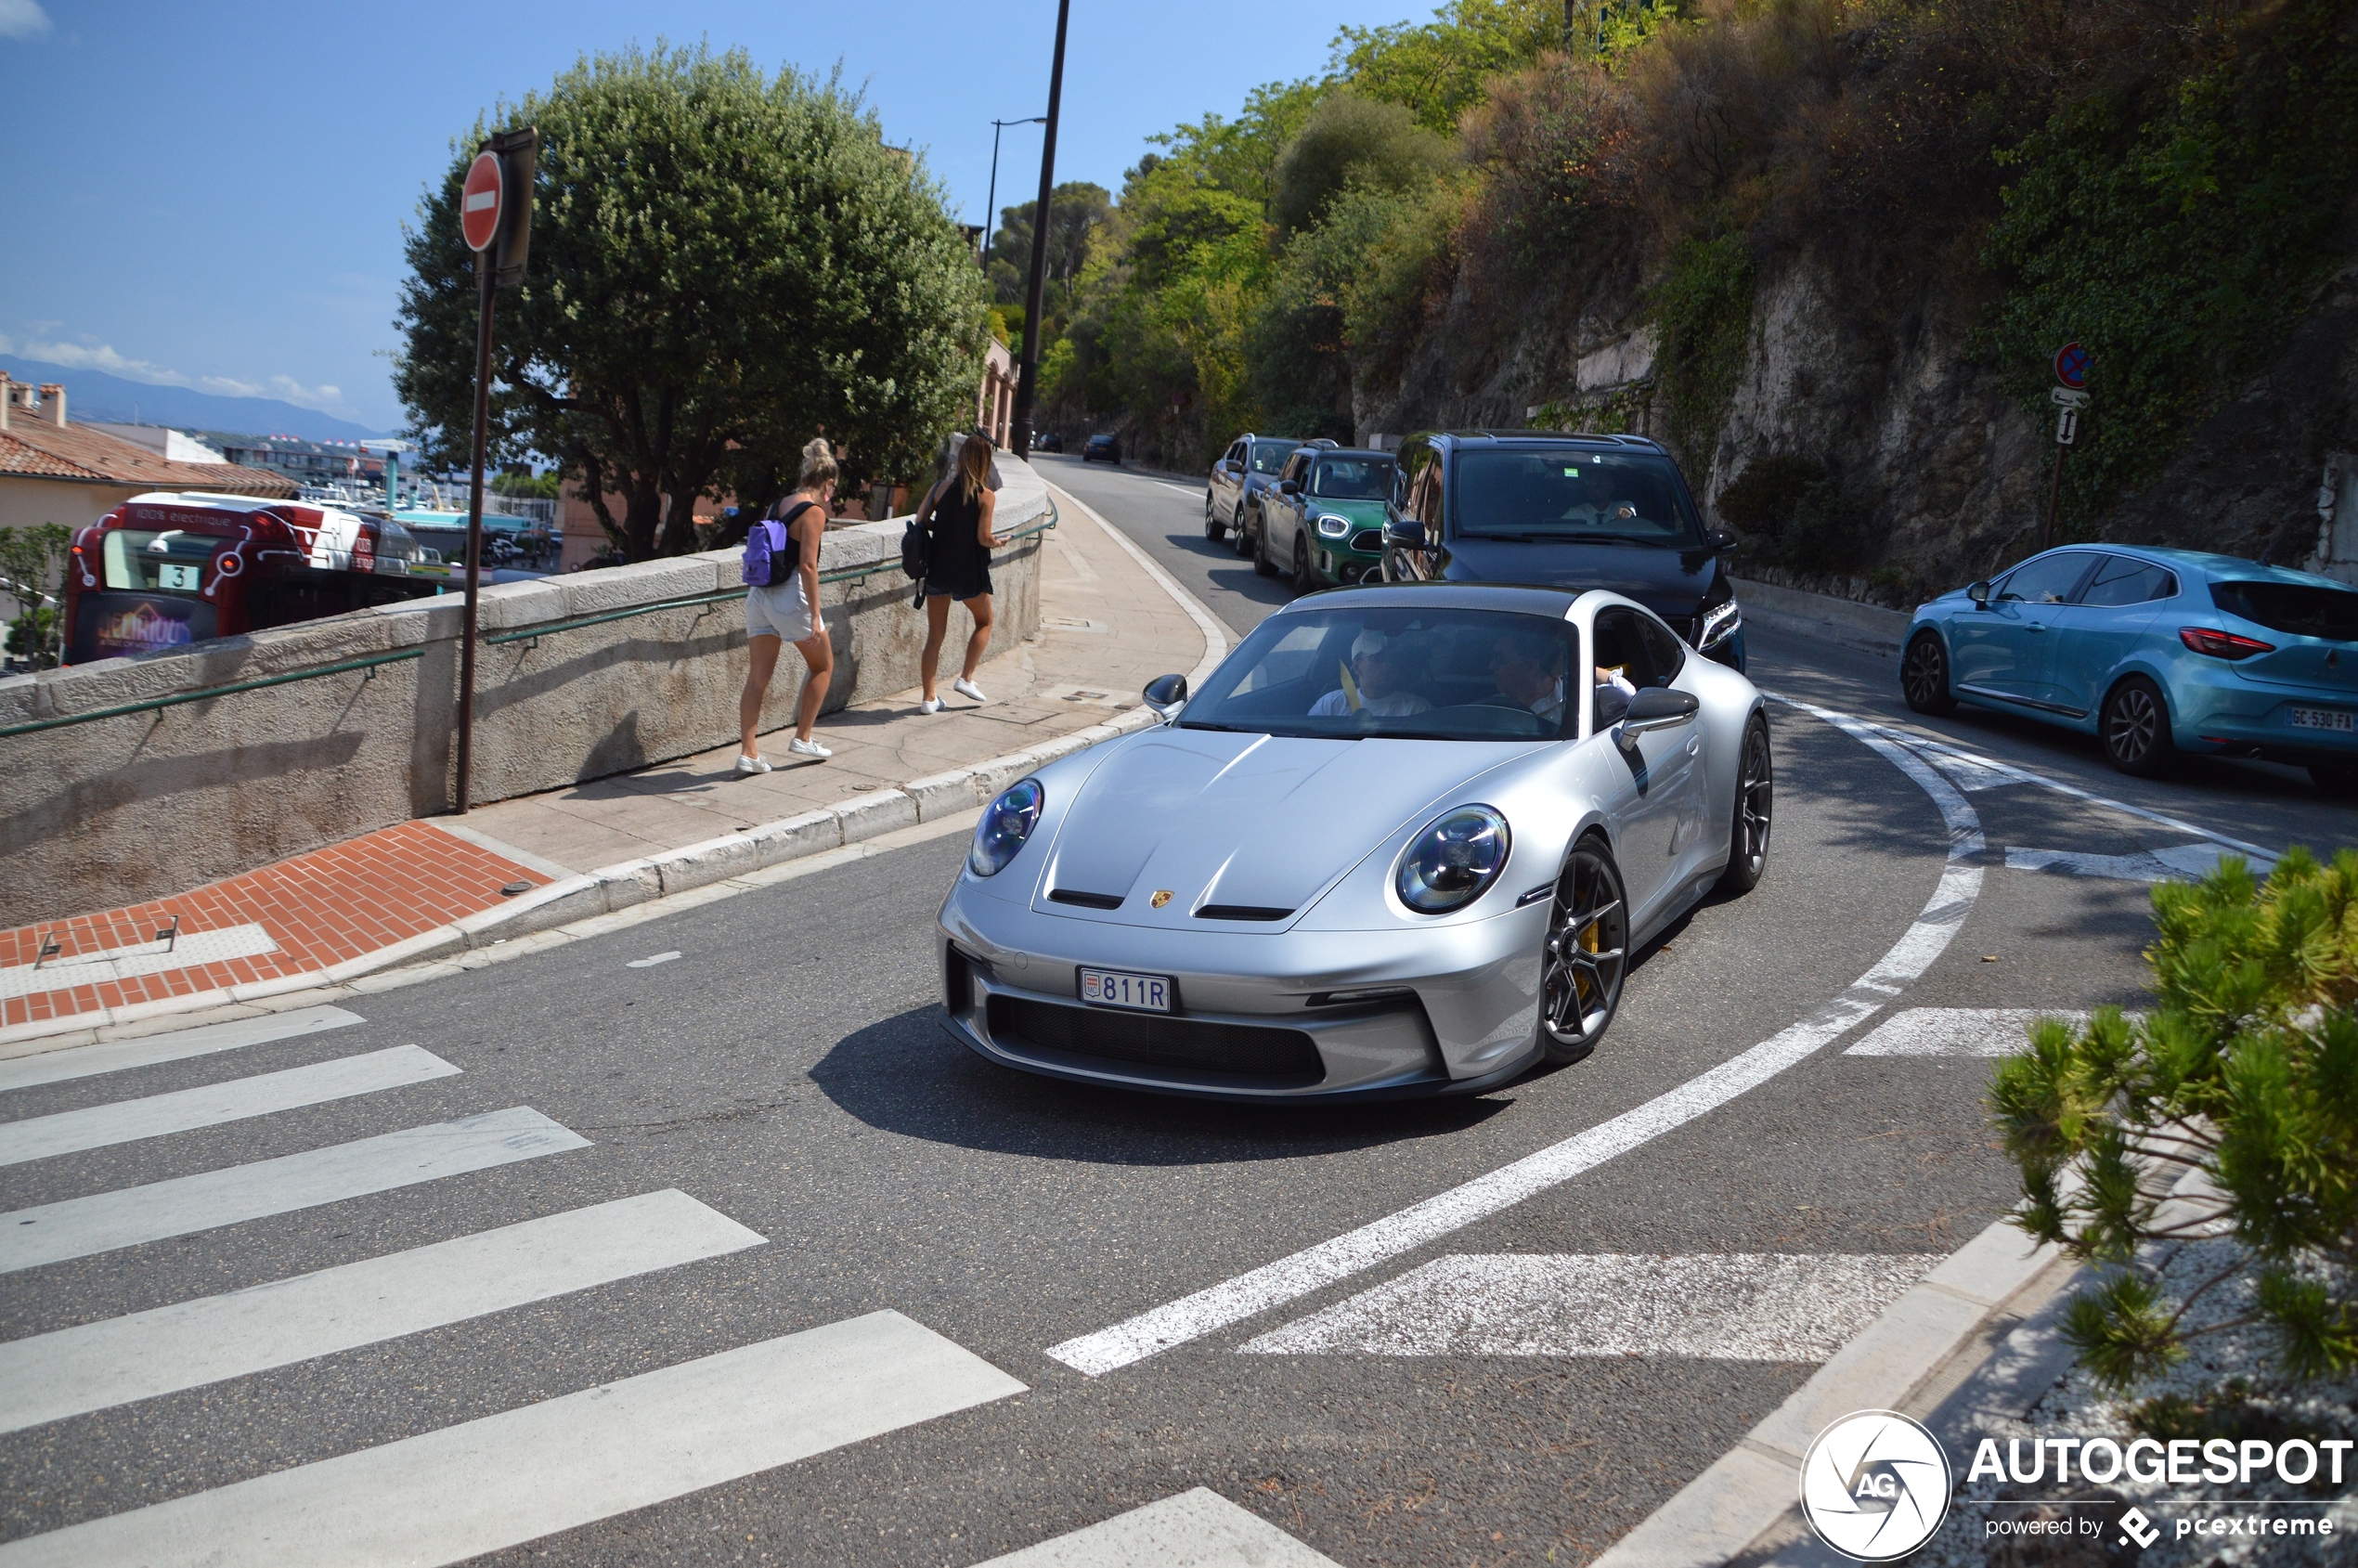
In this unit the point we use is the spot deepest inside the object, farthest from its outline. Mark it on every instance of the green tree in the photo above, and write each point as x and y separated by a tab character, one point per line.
33	565
1440	69
1076	211
723	264
1350	139
2247	1072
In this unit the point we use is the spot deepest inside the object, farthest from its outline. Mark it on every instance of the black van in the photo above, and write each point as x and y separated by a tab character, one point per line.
1562	511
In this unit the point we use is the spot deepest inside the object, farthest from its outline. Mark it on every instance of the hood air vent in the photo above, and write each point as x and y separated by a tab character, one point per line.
1240	912
1086	900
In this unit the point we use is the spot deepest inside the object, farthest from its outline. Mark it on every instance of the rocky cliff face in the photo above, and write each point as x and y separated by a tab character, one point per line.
1950	474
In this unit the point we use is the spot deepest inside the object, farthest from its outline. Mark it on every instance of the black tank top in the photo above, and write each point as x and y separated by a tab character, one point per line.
956	519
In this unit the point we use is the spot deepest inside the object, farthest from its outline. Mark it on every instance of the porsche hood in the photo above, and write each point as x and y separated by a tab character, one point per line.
1240	829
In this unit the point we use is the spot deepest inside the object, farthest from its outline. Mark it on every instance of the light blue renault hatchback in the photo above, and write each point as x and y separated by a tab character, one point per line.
2156	653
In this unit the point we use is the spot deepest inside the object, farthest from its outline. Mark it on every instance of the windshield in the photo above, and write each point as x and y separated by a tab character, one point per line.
1621	497
1268	457
170	562
1352	479
2292	607
1427	673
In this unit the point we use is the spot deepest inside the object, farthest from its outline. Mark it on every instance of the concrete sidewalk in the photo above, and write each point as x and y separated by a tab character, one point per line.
1110	621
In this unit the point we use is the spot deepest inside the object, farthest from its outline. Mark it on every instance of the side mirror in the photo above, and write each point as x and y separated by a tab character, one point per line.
1719	541
1403	533
1287	487
1658	708
1979	593
1166	694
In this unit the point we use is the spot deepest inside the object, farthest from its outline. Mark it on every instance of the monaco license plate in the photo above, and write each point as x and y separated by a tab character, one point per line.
2332	718
1113	988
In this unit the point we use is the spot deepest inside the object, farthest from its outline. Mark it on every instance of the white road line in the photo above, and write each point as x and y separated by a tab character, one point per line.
1957	1031
142	958
1733	1306
446	1495
2172	862
80	1226
1314	1268
114	1056
1979	764
1198	1529
92	1366
1182	489
651	961
43	1137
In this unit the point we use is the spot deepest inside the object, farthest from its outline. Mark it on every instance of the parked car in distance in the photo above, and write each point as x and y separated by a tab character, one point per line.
1324	520
1048	441
1246	468
2156	653
1565	511
1104	446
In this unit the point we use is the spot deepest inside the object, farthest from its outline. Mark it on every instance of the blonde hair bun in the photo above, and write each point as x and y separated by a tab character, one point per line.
818	463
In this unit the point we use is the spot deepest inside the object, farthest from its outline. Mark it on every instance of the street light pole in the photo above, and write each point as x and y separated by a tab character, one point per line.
991	206
1027	374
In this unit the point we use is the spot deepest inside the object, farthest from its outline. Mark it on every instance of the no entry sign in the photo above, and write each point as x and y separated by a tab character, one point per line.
2071	364
479	204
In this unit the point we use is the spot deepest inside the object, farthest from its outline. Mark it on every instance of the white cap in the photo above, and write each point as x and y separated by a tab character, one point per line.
1369	641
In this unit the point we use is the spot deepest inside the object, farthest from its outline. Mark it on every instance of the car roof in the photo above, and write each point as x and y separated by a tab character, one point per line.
1553	602
1355	452
2229	568
1550	438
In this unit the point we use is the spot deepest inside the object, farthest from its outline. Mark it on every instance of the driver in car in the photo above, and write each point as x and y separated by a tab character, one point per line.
1370	683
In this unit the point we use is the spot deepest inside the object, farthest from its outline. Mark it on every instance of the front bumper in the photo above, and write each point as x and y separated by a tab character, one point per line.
1340	564
1253	1018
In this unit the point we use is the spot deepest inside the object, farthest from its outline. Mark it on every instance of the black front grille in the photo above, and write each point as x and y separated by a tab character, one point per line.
1368	539
1153	1039
1086	900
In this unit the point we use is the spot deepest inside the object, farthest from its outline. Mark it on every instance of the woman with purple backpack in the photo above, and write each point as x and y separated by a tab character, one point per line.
784	608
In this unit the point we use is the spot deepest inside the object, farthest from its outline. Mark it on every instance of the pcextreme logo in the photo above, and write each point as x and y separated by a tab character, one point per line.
1876	1485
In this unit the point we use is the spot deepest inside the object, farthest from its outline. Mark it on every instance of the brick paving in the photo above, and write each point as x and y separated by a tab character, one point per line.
320	908
1108	628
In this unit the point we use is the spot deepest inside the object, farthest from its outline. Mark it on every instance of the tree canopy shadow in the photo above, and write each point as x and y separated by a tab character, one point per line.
905	1074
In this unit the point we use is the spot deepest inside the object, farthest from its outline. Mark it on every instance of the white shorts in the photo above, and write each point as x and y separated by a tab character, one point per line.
780	611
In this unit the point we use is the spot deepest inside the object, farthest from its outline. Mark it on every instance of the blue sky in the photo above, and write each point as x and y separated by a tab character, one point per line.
212	196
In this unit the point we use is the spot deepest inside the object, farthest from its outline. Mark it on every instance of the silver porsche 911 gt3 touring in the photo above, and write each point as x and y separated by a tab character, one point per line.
1401	842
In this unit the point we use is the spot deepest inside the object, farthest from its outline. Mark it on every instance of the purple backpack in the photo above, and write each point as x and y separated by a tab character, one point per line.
770	549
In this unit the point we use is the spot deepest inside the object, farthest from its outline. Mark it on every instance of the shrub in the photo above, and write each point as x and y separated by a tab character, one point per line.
1350	140
33	565
1703	312
2246	1071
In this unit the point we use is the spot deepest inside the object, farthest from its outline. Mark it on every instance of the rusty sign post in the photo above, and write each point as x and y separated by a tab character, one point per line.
495	214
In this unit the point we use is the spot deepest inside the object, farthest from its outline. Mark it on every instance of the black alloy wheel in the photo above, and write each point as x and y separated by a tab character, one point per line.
1212	526
1262	564
2135	728
1304	580
1755	795
1923	676
1587	955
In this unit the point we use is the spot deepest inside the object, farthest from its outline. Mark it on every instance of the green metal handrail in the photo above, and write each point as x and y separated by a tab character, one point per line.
154	703
842	574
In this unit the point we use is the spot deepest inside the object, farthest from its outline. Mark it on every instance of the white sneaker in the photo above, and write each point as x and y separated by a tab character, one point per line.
966	688
808	748
931	705
750	764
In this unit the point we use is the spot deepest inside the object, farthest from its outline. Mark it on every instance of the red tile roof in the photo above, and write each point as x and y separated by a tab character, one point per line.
33	449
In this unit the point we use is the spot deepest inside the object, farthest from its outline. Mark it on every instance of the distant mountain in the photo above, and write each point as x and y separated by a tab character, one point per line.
103	399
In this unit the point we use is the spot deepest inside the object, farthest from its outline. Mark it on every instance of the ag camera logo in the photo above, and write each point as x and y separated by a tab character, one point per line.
1876	1485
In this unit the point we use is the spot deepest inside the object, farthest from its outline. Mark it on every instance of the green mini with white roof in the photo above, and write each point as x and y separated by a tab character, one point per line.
1323	521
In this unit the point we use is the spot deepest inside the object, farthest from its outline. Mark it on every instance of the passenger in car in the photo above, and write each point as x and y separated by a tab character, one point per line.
1371	683
1528	667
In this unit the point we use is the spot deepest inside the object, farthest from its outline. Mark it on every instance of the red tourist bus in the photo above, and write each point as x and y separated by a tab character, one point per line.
163	570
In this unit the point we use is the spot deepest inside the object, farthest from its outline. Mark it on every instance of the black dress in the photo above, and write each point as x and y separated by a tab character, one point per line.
957	565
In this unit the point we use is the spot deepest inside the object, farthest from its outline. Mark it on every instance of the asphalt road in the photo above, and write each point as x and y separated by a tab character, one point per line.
784	1069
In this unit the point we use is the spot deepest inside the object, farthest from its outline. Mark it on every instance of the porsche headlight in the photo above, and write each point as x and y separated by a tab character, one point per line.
1719	623
1333	528
1006	822
1454	861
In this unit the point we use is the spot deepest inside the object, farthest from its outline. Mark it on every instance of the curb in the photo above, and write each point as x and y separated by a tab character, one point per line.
1925	1352
1869	628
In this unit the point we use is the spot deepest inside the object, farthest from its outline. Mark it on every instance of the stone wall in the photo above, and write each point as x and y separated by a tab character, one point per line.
119	809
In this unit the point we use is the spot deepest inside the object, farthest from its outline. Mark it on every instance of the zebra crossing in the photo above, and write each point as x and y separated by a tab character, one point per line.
443	1496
